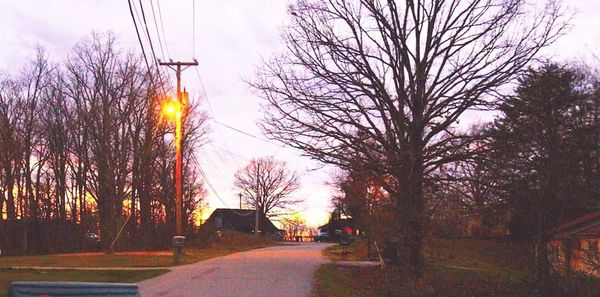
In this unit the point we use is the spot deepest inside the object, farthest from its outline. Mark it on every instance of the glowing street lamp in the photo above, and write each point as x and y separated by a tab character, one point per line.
172	109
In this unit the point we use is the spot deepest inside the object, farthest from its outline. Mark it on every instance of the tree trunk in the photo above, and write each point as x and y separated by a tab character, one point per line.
10	186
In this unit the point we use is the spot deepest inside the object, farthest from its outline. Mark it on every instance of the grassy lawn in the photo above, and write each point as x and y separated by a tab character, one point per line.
125	259
228	245
453	268
9	275
357	251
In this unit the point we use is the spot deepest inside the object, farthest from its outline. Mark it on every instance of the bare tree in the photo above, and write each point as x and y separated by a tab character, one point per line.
387	80
294	226
104	86
267	185
11	140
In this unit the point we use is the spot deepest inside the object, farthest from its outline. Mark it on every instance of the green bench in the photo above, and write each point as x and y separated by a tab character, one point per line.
57	289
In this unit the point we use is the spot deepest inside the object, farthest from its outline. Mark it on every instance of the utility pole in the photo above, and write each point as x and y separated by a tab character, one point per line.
177	66
257	198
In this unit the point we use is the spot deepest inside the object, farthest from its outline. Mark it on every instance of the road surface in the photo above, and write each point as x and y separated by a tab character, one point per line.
276	271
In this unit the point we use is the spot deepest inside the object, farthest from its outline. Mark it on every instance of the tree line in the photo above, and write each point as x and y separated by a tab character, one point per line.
84	141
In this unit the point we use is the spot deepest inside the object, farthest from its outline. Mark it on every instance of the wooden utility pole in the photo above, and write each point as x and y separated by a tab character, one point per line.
178	67
257	198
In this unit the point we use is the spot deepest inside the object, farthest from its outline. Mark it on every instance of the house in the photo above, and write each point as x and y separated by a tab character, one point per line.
574	245
241	220
335	227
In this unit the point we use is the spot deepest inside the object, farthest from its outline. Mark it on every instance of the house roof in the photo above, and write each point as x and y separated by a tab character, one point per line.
584	226
242	219
341	223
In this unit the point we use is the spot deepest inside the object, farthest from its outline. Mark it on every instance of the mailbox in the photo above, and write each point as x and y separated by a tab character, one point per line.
178	241
177	247
345	239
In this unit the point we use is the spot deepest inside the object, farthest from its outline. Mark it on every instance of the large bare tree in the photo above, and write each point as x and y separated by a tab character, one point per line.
384	82
267	185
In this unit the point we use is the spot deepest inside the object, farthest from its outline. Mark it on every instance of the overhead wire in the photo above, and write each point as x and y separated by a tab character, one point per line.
162	27
193	29
140	39
212	112
212	188
149	37
148	34
160	43
247	133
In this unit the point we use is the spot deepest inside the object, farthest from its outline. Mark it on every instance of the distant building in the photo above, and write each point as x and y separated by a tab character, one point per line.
574	246
241	220
336	227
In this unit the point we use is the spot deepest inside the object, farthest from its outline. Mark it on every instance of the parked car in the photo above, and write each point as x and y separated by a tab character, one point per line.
92	236
92	242
322	236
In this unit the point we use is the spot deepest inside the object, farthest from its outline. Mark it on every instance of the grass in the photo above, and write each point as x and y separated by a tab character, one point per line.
230	244
357	251
9	275
125	259
462	267
503	256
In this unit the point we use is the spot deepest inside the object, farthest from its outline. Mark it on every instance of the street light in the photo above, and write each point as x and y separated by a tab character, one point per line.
174	109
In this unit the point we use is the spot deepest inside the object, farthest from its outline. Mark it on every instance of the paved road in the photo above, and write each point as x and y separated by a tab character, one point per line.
276	271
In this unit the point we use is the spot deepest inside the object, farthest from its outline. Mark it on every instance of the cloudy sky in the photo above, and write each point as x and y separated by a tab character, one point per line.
231	39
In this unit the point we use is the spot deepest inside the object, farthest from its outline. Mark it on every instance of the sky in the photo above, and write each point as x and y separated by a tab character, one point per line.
229	39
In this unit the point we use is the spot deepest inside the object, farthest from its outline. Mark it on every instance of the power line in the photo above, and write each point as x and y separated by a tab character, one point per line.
193	28
140	39
156	27
163	28
246	133
205	176
212	112
148	33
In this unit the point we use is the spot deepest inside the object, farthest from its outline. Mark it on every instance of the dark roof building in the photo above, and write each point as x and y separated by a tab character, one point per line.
335	227
574	245
242	220
581	227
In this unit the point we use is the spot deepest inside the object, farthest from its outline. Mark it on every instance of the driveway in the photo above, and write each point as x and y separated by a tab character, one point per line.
275	271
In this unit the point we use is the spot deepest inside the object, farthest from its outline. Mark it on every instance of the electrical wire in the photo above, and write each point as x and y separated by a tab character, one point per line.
210	186
162	27
246	133
140	39
148	33
157	32
193	29
212	112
